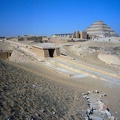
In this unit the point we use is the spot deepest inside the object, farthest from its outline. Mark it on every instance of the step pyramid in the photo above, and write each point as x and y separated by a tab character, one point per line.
100	29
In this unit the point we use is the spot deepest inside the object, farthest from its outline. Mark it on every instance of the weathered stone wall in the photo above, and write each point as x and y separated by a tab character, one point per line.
81	35
99	29
5	55
45	52
38	39
32	38
22	39
44	38
76	34
57	52
39	52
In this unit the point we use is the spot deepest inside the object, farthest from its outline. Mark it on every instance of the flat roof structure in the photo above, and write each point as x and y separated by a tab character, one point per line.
46	46
46	50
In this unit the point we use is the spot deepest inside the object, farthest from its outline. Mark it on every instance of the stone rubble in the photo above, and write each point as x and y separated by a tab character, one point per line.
97	109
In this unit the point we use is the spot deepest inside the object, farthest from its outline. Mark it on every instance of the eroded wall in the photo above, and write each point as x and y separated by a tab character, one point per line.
81	35
5	55
39	52
57	52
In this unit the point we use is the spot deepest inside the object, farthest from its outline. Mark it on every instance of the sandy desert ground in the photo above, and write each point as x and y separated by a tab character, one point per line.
33	89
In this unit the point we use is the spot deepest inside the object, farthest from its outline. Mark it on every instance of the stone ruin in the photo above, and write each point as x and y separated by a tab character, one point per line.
5	54
100	29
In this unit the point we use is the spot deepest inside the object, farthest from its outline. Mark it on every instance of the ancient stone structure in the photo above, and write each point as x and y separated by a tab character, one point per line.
46	50
63	35
33	38
5	54
76	34
81	35
99	29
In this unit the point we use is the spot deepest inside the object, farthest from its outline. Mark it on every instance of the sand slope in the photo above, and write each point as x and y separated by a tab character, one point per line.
109	59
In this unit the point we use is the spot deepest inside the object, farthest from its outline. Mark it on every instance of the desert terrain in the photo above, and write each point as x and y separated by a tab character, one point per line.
65	87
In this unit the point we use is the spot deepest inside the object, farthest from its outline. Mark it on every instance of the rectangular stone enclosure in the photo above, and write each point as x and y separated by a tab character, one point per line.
49	51
5	54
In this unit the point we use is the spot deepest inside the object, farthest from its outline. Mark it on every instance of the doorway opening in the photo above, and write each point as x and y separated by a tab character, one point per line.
51	52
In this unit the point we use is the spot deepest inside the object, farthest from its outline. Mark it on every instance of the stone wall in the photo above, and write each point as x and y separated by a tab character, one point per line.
5	55
39	52
45	52
57	52
81	35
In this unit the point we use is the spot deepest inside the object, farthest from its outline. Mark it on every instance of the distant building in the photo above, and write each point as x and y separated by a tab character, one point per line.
33	38
22	38
69	35
99	29
76	34
41	39
80	34
46	50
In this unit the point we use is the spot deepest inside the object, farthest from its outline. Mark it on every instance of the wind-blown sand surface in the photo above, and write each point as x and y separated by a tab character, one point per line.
24	95
29	90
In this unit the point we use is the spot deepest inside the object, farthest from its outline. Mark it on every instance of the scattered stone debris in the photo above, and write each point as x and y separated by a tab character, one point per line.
97	109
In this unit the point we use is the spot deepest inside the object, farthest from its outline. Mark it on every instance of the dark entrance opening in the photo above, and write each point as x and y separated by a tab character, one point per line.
51	52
